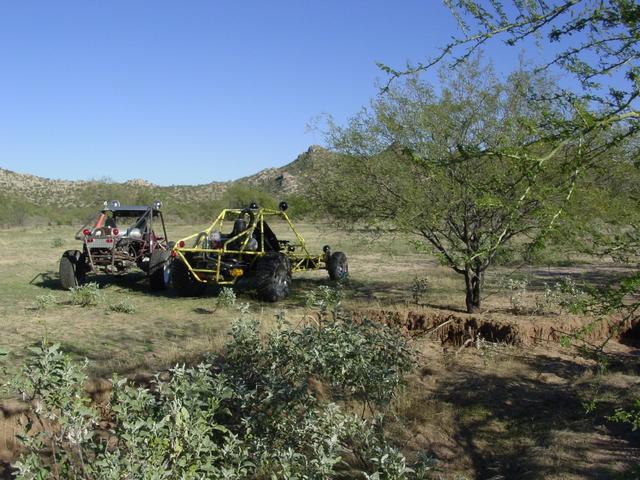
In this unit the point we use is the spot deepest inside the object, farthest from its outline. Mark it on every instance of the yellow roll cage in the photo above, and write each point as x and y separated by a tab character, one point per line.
297	252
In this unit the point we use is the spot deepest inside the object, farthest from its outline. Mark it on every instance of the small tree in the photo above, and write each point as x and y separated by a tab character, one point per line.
595	43
463	169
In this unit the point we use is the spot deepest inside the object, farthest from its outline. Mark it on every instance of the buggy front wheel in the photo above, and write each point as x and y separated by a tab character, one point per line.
337	266
273	277
159	270
183	280
71	270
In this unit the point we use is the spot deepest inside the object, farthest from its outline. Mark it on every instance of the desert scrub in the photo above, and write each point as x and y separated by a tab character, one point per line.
571	297
253	416
123	306
46	301
57	242
325	299
419	287
565	295
226	298
517	289
86	295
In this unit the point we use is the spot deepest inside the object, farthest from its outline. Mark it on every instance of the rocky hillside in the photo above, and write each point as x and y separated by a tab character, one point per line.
290	179
24	195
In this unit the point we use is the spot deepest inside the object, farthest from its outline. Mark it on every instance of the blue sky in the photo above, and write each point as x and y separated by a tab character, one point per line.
197	91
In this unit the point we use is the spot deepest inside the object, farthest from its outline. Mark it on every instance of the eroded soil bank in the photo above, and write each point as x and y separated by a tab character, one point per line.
455	328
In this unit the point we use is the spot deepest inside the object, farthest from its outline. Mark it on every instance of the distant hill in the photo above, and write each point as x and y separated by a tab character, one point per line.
29	198
290	179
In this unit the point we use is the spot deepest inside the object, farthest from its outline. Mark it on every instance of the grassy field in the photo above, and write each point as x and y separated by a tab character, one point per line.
491	410
166	329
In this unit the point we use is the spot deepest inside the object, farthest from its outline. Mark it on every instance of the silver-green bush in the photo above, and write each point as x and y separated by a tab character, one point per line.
45	301
254	416
123	306
226	297
87	295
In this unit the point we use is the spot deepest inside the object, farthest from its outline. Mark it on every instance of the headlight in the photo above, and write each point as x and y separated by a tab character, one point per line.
135	234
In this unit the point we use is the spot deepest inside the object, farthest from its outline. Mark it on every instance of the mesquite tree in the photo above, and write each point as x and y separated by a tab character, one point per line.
463	170
470	172
595	42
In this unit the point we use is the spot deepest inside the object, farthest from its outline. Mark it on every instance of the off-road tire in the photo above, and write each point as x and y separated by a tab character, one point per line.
338	266
71	270
183	281
273	277
158	270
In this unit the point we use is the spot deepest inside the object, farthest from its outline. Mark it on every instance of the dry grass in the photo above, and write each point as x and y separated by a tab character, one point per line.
164	329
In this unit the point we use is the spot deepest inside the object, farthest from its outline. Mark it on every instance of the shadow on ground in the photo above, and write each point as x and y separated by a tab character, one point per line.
136	281
132	281
532	424
599	275
5	471
48	280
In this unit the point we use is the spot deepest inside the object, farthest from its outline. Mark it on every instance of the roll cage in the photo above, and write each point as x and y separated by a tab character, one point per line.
143	215
109	241
215	257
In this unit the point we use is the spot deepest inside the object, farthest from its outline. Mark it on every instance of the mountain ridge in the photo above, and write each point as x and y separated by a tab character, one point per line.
28	193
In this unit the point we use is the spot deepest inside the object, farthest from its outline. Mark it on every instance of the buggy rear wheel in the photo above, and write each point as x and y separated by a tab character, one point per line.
338	266
273	277
159	270
183	280
71	271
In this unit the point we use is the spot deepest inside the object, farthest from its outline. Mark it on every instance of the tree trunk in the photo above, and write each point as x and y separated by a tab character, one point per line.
473	283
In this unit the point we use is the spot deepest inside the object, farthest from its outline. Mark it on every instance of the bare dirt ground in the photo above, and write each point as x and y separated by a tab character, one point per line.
494	396
501	412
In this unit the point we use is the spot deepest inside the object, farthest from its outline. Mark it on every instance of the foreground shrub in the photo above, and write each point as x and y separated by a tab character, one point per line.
255	415
123	306
45	301
86	295
176	430
226	297
62	420
365	362
325	299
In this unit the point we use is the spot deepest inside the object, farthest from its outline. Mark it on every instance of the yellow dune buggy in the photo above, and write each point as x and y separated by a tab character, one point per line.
240	244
